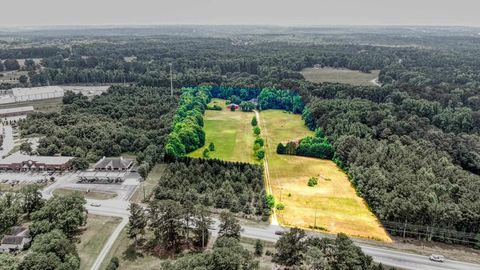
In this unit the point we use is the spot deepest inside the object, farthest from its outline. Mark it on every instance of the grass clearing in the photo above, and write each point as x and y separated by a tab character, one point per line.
129	259
43	105
88	195
332	204
231	132
340	75
95	235
146	187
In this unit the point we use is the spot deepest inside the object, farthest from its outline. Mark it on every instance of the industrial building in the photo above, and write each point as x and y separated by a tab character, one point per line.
29	94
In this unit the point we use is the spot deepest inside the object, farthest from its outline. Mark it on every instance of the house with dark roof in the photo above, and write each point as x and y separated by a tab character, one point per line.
114	164
17	239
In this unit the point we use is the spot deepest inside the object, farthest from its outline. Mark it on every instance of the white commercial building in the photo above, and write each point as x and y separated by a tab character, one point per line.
36	93
29	94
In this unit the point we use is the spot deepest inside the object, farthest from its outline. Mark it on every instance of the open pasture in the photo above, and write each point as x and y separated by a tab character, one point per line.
231	133
332	205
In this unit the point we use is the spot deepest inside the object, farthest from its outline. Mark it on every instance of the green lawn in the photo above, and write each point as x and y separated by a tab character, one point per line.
336	75
88	195
231	132
95	235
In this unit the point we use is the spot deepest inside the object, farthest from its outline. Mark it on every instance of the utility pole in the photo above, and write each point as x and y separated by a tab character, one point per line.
171	80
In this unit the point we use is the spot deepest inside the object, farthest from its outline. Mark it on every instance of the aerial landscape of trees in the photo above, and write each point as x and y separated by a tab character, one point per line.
123	120
410	146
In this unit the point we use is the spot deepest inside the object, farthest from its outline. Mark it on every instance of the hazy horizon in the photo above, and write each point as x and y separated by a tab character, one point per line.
247	12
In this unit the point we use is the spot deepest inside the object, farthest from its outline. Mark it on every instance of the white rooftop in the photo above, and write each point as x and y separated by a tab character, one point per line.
36	90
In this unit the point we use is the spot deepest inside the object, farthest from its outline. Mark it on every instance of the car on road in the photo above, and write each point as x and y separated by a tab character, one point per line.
279	232
437	258
95	204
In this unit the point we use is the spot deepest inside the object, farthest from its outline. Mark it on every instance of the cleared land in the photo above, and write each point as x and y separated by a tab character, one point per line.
44	105
130	258
94	237
88	195
332	204
231	132
334	75
146	187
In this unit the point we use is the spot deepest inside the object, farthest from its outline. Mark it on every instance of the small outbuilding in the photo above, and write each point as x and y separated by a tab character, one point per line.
236	106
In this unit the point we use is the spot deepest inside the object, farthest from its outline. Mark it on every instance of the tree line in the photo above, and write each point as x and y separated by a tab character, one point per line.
122	120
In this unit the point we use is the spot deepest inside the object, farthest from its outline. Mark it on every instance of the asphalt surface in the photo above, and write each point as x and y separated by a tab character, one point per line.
386	256
8	142
382	255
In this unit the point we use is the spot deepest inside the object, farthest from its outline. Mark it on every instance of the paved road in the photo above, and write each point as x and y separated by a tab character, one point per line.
115	208
386	256
8	142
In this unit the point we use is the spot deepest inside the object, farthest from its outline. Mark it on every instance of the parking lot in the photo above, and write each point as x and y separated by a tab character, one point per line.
26	178
70	181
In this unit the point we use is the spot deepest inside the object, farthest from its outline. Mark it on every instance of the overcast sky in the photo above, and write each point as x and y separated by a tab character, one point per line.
282	12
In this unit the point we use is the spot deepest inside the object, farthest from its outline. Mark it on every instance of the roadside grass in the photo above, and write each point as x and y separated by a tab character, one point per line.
339	75
129	258
231	132
95	235
16	188
333	204
265	261
146	187
88	195
44	105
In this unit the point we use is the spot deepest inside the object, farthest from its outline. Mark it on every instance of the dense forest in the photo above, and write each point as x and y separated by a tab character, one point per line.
123	120
237	187
411	146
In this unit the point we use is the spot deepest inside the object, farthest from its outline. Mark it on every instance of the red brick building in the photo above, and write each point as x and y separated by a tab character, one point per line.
20	162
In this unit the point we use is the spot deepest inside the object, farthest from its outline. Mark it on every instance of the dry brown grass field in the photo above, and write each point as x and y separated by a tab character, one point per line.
333	204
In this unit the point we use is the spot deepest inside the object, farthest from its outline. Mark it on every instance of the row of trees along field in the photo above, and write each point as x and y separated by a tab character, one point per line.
123	120
54	225
411	146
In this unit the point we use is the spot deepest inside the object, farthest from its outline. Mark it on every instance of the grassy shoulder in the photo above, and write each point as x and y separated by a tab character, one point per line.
94	236
332	204
130	258
339	75
146	188
88	195
44	105
231	133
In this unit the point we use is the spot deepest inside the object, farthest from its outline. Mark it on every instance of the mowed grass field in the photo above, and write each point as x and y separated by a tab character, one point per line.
95	235
335	75
333	203
231	132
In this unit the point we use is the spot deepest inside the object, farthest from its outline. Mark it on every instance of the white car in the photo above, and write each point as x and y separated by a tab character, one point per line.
437	258
95	204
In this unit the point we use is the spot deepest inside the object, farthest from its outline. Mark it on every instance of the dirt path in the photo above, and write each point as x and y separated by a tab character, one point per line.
375	82
268	185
